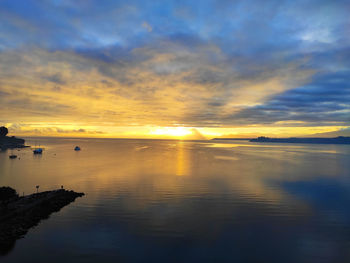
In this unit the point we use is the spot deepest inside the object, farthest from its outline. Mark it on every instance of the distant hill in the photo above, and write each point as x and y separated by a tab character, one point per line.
233	139
336	140
342	132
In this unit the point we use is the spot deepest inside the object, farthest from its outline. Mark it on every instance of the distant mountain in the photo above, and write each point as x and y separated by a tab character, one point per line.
232	139
342	132
336	140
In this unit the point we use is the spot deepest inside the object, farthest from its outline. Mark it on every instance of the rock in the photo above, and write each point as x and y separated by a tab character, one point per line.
9	142
23	213
7	193
3	131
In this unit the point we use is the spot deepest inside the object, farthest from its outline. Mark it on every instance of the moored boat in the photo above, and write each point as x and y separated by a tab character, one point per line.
38	151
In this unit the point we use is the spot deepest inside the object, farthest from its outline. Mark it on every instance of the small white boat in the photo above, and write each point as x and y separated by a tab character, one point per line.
77	148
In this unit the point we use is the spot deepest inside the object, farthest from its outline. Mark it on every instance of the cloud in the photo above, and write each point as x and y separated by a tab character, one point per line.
276	63
147	26
55	78
325	101
37	129
161	84
195	135
341	132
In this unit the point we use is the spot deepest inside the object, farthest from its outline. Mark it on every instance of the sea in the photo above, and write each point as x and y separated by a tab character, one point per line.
185	201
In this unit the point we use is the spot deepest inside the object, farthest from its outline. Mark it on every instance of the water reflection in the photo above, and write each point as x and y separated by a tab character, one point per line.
151	199
183	159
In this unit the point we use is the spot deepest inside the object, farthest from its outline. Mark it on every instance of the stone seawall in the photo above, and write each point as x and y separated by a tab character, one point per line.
18	215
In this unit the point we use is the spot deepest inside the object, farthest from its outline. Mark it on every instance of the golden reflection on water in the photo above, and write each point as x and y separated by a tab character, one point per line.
179	189
182	160
151	168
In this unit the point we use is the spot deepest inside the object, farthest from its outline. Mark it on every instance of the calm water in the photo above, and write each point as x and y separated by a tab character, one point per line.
181	201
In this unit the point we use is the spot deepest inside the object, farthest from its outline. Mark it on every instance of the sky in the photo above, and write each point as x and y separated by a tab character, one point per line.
175	69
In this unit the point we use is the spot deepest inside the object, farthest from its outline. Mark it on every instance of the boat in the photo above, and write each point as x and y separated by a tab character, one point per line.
77	148
38	151
12	156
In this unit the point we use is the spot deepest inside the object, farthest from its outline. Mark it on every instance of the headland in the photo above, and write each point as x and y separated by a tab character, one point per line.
7	142
336	140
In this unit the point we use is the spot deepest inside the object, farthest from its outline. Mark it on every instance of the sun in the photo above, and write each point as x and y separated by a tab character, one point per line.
171	131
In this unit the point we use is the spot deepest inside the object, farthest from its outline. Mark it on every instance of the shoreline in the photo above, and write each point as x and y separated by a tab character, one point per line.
335	140
11	143
19	215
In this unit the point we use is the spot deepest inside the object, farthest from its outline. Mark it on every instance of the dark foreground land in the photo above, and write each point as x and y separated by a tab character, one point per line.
19	214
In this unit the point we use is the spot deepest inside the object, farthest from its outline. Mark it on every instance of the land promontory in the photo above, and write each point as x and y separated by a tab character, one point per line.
7	142
335	140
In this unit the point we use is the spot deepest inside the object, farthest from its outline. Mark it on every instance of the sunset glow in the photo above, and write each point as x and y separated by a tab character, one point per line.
174	131
122	71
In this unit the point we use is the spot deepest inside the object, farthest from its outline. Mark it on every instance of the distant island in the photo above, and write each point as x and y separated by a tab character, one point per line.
233	139
336	140
9	142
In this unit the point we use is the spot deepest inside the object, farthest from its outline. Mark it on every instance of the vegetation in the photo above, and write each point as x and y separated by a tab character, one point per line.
3	131
7	193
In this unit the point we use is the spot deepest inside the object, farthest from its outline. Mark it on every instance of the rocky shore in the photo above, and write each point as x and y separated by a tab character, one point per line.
19	214
11	143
